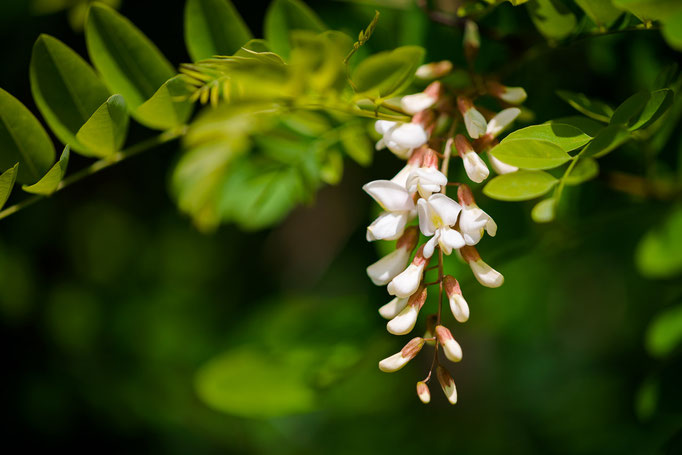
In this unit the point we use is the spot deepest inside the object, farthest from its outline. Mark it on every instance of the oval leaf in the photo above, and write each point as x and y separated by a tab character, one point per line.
608	139
530	154
23	140
552	18
665	332
105	132
565	136
630	108
65	88
7	180
387	73
586	125
592	108
50	182
659	253
129	63
520	186
657	105
213	27
282	17
584	170
169	107
544	211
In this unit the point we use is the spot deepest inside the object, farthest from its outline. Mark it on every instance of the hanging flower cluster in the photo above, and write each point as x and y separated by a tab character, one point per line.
416	201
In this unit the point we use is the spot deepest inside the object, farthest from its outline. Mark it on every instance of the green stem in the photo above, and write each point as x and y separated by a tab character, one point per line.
97	166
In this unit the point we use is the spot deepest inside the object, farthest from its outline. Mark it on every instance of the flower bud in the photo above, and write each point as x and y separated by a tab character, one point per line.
434	70
473	120
472	40
400	359
500	167
458	306
406	283
474	166
501	120
423	392
421	101
393	308
485	274
511	95
404	322
451	348
447	384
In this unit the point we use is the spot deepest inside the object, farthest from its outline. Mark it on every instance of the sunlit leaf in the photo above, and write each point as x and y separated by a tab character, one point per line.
649	9
284	16
520	186
544	211
356	144
66	89
592	108
213	27
602	12
552	18
128	62
530	153
565	136
7	180
50	182
105	132
23	140
387	73
168	107
608	139
659	253
584	170
664	334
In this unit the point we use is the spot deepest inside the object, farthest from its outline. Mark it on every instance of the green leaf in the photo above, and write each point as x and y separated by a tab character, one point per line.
602	12
552	18
608	139
565	136
530	154
128	62
168	107
659	253
630	108
664	334
520	186
592	108
672	30
23	140
659	102
584	170
586	125
544	211
213	27
357	145
66	89
387	73
50	182
254	45
650	9
331	171
105	132
7	180
284	16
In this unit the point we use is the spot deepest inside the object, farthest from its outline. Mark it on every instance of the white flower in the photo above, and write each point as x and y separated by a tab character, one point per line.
400	138
417	102
473	120
386	268
425	180
485	274
399	209
451	348
400	359
404	321
406	283
472	220
393	308
458	306
474	166
436	216
511	95
447	384
501	120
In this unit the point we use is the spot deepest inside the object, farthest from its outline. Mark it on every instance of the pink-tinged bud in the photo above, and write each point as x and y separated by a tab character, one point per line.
423	392
458	306
475	123
417	156
434	90
434	70
406	283
484	274
511	95
447	384
404	322
472	40
451	348
462	145
419	258
409	238
400	359
474	166
465	196
430	159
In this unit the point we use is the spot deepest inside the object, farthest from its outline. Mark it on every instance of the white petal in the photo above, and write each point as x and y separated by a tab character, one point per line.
499	167
391	196
503	118
475	167
404	322
471	223
417	102
450	239
459	308
475	123
409	135
486	275
430	246
407	282
387	226
388	267
491	227
514	95
452	350
383	126
380	144
445	208
393	308
398	150
401	177
393	363
425	222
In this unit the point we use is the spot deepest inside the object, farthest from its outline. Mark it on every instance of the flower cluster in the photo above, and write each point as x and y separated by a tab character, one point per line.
415	201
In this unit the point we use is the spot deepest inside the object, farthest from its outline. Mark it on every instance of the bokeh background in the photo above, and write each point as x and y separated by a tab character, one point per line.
125	330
